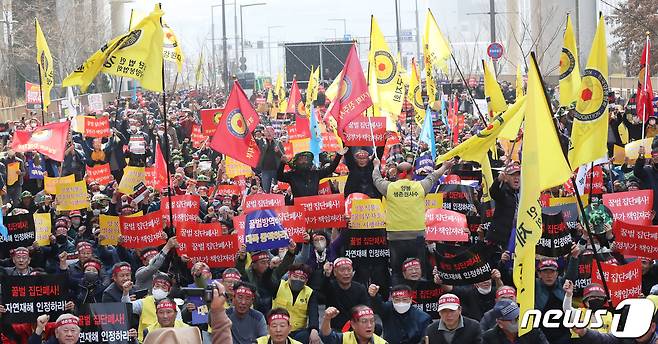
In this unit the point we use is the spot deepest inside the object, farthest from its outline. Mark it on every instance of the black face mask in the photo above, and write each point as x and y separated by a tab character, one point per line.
90	277
596	304
61	239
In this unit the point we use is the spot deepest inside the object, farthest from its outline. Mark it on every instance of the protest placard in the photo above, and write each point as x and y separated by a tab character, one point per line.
445	225
105	322
141	231
367	214
235	168
468	267
632	149
636	240
97	127
27	297
634	207
555	240
433	201
292	218
197	136
425	297
110	229
95	101
459	198
100	174
324	211
624	281
239	223
263	231
42	228
50	183
367	246
263	201
227	190
185	208
209	120
34	171
20	231
358	132
204	242
132	176
72	196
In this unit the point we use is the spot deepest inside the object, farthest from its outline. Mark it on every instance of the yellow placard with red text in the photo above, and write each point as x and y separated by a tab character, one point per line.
50	183
72	196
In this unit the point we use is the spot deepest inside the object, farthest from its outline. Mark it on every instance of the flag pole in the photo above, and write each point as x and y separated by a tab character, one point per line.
166	140
644	84
43	116
468	89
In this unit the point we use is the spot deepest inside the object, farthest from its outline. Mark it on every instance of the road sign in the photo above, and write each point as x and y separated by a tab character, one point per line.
347	37
243	59
243	67
495	50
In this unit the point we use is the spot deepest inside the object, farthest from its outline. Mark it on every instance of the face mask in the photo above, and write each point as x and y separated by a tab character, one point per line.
61	239
75	223
296	285
320	245
159	294
431	247
96	212
133	129
401	307
595	304
160	132
90	277
513	327
484	291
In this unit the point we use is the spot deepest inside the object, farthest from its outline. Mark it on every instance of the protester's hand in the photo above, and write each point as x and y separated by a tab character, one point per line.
448	164
575	250
328	268
641	153
171	243
376	162
505	257
126	287
63	256
306	236
69	306
314	337
132	333
185	258
373	289
2	309
331	313
437	278
190	307
495	274
42	320
53	239
343	150
218	297
568	287
580	331
502	177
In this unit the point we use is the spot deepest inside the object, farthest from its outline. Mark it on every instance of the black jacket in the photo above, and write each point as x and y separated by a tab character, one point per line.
360	178
649	177
306	182
507	201
469	334
497	336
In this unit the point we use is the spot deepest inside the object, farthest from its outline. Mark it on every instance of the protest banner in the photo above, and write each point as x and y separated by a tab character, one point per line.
618	155
141	231
324	188
97	127
50	183
459	198
445	225
20	232
358	132
367	246
569	214
263	201
209	120
34	171
197	136
633	207
235	168
294	134
632	149
27	297
100	174
110	229
636	240
42	228
433	201
72	196
340	180
292	218
228	190
329	142
150	177
624	281
324	211
13	171
468	267
239	223
351	197
105	322
584	276
300	145
263	231
204	242
185	209
131	176
555	240
367	214
426	297
95	101
32	95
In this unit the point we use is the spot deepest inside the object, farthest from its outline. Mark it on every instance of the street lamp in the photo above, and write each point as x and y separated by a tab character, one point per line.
241	35
344	24
269	44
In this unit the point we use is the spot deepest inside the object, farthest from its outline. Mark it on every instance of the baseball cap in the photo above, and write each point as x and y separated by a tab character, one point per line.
449	301
506	310
548	264
513	168
593	290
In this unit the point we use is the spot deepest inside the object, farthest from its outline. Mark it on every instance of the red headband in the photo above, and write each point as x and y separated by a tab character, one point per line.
84	244
259	256
166	305
244	291
278	317
364	312
164	281
505	292
21	252
93	264
341	262
205	271
401	293
149	253
122	268
410	264
68	321
232	275
298	274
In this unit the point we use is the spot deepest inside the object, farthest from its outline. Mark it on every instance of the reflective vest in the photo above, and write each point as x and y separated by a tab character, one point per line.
148	317
607	322
405	206
299	310
350	338
266	340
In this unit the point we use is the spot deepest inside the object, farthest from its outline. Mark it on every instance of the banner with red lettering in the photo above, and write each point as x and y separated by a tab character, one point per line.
263	201
358	132
209	120
239	223
99	173
228	190
185	209
325	211
445	225
150	176
49	140
632	207
624	281
97	127
636	240
556	238
204	242
329	142
141	231
292	218
197	136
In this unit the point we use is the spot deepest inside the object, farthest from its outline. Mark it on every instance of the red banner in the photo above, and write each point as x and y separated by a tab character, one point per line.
636	240
241	182
185	209
358	133
263	201
149	176
324	211
624	281
239	223
329	142
209	120
99	173
197	137
204	242
228	190
445	225
632	207
141	231
49	140
324	188
97	127
292	218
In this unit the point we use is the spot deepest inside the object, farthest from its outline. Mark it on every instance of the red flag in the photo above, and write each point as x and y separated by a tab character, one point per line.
233	135
160	168
296	106
644	96
49	140
353	97
209	120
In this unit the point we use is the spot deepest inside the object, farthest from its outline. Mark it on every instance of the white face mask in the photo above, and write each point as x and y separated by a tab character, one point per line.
159	294
320	245
484	291
401	307
431	247
160	132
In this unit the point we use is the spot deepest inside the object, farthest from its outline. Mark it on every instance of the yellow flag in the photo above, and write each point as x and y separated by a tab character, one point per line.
332	90
136	54
543	166
494	95
436	49
519	82
198	75
511	130
171	47
45	62
270	96
280	90
415	94
386	83
312	88
569	67
590	126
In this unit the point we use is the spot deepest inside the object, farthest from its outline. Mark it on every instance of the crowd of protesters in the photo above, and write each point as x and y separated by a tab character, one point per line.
309	292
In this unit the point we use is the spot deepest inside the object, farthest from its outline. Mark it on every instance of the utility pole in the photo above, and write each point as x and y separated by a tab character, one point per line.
397	26
235	30
420	61
224	48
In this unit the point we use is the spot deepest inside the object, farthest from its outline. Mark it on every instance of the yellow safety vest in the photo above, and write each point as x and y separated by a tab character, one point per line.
405	206
299	310
266	340
148	316
350	338
607	322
